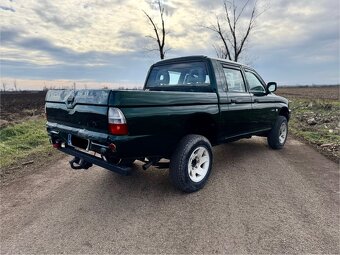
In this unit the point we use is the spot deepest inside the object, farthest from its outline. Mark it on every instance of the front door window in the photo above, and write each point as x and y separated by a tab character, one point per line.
255	85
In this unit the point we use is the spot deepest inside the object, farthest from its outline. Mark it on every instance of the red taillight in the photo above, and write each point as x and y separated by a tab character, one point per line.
118	129
113	147
56	145
117	122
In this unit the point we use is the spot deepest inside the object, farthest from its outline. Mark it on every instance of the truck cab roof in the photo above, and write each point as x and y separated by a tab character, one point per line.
197	58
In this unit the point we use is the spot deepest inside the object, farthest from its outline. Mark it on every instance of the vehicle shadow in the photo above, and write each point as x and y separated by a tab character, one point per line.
156	181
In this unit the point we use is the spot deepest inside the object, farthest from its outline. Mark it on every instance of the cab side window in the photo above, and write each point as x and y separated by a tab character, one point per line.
255	85
234	79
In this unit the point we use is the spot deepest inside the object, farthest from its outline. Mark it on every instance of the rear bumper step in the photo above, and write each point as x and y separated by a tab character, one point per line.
96	161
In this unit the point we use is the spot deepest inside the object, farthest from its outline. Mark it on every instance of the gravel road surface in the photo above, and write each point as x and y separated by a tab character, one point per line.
256	201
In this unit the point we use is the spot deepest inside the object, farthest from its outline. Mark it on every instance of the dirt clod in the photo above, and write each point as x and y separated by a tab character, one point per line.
311	121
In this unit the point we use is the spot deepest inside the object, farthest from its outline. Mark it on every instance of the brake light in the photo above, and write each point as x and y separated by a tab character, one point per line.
56	145
117	122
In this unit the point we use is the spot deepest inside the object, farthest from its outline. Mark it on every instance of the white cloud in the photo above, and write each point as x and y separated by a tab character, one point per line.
92	33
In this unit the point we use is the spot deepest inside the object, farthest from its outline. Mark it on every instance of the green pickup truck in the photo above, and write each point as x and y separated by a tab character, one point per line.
188	105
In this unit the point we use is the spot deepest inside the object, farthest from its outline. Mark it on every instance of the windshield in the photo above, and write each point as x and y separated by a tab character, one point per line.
190	74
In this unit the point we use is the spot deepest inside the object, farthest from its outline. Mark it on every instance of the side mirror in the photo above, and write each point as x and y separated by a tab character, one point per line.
271	87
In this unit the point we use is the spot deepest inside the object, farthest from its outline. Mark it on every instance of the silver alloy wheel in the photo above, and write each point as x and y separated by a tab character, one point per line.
198	164
283	133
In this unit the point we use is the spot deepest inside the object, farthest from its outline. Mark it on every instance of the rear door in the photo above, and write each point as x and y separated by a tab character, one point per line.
264	108
236	117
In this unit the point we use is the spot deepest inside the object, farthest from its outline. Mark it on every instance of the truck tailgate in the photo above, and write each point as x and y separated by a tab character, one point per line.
86	109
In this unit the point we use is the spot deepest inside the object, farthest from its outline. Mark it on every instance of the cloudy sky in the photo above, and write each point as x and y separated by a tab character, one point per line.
104	42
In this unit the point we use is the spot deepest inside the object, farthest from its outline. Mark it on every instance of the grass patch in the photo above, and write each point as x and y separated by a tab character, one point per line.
318	122
21	140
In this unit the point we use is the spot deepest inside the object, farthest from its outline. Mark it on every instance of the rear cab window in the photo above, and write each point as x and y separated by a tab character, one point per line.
186	76
234	78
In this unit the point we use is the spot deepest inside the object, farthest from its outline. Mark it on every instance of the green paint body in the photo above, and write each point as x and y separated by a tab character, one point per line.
158	120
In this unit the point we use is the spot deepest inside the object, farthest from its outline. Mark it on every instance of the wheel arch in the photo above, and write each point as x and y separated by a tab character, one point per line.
203	124
284	112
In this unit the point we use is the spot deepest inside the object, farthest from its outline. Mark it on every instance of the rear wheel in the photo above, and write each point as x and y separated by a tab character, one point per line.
191	163
278	135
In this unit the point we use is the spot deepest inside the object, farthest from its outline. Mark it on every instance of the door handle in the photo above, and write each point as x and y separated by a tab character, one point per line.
233	101
256	100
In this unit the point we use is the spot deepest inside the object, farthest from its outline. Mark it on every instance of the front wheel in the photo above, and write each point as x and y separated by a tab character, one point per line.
278	135
191	163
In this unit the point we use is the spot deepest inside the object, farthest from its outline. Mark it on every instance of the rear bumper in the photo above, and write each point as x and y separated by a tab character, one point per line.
61	131
127	146
96	161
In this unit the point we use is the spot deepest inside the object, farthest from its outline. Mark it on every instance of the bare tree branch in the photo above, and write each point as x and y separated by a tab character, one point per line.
250	26
151	50
231	30
242	10
227	52
159	32
151	37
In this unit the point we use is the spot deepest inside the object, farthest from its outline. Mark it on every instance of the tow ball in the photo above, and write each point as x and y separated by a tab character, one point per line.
79	163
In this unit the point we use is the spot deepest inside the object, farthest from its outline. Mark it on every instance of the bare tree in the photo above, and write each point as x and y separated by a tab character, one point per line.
4	86
231	29
160	32
15	85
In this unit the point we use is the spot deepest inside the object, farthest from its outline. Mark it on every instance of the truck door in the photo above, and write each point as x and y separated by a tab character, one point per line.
264	110
236	117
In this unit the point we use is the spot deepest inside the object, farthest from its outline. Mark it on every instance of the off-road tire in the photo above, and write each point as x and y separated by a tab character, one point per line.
273	137
179	173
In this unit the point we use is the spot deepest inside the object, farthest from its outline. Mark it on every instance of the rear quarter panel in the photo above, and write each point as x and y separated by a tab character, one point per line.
158	120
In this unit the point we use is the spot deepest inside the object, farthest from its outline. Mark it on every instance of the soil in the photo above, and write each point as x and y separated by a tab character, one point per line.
29	165
332	93
324	92
19	105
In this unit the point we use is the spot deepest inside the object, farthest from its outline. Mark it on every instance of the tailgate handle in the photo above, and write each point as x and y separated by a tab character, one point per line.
70	101
70	98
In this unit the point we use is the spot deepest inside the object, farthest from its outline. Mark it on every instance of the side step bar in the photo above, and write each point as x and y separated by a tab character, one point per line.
96	161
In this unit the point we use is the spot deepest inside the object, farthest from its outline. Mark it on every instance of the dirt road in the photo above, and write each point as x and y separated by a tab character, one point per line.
256	201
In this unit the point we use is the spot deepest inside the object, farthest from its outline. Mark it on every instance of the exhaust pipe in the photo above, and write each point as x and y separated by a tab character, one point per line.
150	162
79	163
147	165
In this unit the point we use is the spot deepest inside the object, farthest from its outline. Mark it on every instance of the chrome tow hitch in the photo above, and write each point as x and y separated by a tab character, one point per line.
79	163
